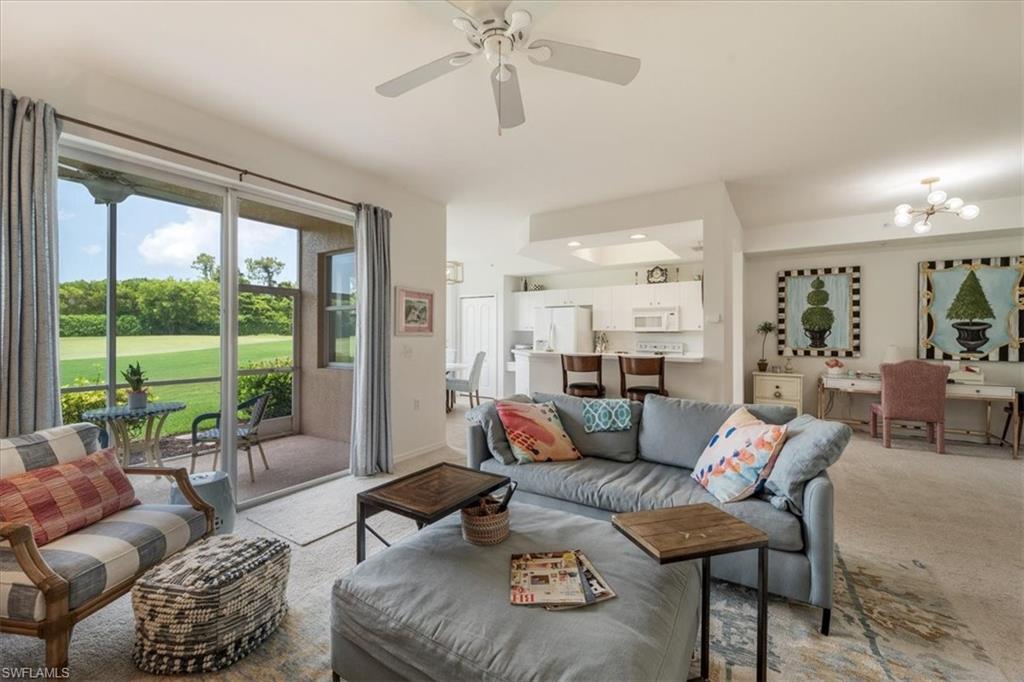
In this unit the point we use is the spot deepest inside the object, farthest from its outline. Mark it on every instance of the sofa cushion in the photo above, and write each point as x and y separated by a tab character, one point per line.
641	486
616	445
486	415
812	445
45	448
739	457
101	556
56	500
535	432
675	431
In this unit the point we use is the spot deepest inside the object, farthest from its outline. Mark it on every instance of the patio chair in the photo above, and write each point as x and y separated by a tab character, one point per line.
248	433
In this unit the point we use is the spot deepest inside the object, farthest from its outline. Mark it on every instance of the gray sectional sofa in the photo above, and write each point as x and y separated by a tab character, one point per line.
649	467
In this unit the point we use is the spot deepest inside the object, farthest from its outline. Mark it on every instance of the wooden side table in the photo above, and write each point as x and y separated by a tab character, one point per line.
701	531
425	496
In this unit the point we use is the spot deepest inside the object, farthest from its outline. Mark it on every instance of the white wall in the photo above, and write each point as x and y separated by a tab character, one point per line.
418	224
889	305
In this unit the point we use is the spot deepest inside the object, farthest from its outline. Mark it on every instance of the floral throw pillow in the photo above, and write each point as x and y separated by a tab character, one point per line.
536	433
739	457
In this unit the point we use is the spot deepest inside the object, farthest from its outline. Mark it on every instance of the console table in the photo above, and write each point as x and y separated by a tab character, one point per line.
829	385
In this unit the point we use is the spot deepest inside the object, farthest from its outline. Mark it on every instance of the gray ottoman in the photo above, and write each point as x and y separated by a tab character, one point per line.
435	607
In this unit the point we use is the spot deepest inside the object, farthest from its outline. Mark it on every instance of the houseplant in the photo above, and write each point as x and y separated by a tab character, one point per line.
817	319
136	380
969	307
764	329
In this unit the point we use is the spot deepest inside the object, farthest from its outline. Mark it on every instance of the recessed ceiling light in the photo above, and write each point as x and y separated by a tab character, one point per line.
638	236
574	244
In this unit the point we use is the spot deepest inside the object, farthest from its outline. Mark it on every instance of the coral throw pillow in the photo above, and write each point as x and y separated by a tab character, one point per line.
535	432
60	499
739	457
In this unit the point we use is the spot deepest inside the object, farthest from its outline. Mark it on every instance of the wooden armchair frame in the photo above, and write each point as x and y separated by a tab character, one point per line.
59	621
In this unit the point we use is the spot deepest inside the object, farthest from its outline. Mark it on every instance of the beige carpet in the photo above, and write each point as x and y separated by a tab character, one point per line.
929	586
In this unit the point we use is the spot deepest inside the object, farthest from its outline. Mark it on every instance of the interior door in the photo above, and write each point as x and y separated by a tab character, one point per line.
478	331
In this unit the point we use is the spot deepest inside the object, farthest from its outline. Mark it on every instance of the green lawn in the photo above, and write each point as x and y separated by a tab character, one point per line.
169	357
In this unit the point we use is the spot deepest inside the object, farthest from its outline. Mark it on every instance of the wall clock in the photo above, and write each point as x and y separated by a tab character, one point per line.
657	275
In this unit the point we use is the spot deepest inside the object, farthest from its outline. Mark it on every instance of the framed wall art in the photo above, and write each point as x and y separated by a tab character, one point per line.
414	312
819	311
971	309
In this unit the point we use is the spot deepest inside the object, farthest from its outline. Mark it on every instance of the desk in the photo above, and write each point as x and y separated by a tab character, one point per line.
830	385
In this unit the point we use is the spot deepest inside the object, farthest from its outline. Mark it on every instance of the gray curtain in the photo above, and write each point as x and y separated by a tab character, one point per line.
371	399
29	379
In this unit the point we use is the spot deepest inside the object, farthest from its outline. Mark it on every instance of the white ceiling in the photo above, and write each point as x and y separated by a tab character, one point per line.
804	109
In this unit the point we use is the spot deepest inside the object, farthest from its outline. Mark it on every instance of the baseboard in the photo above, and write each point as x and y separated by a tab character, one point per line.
420	451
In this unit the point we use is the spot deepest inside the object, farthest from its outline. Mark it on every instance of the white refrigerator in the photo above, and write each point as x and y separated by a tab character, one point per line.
565	329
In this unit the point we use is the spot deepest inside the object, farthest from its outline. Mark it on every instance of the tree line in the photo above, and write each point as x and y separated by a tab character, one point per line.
176	306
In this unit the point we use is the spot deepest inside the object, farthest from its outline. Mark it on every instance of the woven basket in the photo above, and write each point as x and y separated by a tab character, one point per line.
482	526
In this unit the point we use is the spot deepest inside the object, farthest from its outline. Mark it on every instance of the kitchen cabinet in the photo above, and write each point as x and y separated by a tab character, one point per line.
601	300
556	297
691	306
525	302
656	295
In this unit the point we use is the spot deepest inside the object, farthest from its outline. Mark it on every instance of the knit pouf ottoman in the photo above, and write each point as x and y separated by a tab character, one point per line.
209	605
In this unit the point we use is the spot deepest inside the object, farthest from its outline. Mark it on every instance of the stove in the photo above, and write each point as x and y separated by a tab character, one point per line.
658	348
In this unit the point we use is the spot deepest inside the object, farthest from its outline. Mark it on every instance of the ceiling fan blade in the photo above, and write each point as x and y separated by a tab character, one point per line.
424	74
483	11
585	61
507	97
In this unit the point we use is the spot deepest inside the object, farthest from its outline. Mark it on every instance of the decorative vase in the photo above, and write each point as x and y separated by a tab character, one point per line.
971	335
762	365
137	400
817	337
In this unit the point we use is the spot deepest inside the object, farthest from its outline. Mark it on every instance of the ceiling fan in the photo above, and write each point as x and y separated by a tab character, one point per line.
497	31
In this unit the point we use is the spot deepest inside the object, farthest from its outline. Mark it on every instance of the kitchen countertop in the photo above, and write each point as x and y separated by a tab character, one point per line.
684	358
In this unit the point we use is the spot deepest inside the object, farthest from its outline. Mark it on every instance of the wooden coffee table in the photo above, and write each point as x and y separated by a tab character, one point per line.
701	531
426	496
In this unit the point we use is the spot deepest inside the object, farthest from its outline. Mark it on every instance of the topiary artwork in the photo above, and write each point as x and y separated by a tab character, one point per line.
970	302
817	317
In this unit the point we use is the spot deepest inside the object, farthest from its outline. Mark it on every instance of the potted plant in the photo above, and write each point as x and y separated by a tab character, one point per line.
764	329
969	307
818	318
136	380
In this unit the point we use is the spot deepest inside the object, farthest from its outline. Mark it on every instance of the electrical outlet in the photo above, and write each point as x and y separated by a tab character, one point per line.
416	404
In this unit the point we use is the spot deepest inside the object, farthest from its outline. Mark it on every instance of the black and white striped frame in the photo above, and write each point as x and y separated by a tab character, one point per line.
1012	351
854	350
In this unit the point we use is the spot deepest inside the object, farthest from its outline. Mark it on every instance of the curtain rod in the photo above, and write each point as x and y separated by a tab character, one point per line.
205	159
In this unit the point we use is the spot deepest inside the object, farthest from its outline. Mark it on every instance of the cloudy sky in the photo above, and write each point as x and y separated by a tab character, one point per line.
155	238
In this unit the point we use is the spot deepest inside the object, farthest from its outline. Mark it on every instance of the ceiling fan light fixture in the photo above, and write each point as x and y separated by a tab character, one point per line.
938	202
904	208
902	219
922	227
937	197
464	25
955	204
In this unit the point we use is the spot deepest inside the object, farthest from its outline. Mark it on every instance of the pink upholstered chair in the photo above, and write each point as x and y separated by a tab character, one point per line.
912	390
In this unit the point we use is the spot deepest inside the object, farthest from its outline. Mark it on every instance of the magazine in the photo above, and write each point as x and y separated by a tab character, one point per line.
556	580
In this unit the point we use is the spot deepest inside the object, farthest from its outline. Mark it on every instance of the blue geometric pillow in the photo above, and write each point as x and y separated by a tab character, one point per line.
606	415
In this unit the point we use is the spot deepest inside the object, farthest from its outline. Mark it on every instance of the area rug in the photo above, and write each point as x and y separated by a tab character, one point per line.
890	622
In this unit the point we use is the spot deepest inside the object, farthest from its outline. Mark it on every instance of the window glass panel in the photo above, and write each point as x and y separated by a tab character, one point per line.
341	325
82	244
342	282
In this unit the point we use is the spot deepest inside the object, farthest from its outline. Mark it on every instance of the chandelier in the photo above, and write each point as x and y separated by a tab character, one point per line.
937	203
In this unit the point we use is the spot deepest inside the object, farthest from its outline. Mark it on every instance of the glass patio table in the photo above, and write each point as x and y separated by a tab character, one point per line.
120	418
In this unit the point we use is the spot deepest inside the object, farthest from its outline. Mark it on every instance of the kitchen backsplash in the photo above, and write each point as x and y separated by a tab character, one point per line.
693	341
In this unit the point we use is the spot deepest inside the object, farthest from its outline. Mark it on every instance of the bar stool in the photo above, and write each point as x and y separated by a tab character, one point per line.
641	367
582	363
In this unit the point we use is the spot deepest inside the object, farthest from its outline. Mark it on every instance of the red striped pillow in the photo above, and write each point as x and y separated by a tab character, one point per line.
60	499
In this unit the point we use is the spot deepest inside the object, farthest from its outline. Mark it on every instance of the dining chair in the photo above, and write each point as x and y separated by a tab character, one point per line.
469	385
248	432
1008	409
589	364
912	390
641	367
